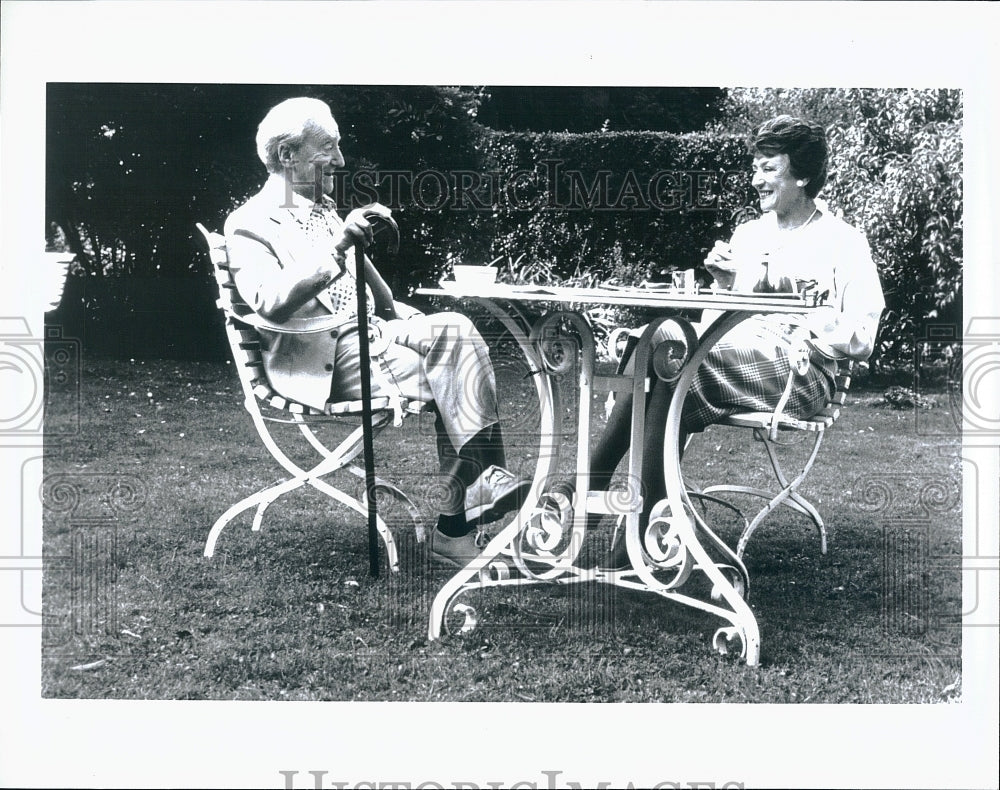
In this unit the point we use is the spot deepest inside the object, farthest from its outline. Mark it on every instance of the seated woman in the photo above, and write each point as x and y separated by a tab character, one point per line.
748	368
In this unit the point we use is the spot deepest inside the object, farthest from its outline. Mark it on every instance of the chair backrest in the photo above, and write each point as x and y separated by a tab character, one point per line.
845	370
842	381
244	342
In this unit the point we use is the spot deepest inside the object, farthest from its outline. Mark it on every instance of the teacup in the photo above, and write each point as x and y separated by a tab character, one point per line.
684	280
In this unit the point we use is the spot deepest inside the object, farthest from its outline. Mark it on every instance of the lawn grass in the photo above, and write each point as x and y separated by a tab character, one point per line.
134	610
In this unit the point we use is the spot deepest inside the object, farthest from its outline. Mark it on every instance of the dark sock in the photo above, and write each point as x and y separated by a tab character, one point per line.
453	526
482	451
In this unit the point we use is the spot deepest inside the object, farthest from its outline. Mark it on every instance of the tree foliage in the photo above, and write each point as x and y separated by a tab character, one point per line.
614	205
130	168
589	109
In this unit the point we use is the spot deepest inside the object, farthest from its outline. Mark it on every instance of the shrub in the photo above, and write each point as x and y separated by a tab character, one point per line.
617	206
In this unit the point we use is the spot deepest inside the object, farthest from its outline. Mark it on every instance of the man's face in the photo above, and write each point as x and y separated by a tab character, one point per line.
310	168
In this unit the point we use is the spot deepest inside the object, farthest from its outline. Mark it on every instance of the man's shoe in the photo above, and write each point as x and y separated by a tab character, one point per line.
457	552
493	494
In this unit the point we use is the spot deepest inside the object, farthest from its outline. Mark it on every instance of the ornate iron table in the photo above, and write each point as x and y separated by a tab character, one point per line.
537	547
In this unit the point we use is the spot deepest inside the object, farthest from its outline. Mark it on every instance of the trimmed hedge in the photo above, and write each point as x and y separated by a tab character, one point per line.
610	205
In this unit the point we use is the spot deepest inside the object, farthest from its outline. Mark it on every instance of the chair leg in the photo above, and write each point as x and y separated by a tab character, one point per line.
346	451
787	495
260	500
268	495
794	499
258	517
391	554
400	496
332	461
797	499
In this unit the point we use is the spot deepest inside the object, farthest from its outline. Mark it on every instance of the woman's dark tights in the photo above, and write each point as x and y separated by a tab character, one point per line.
614	443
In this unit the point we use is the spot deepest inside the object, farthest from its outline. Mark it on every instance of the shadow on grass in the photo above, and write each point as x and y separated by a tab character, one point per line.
134	611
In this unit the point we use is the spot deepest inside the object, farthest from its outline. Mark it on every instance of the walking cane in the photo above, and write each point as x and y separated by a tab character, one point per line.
368	439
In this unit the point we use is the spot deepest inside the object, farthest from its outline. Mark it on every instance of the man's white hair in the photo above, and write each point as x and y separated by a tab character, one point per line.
288	122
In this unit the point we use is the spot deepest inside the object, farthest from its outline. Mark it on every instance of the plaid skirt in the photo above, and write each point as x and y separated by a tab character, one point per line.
747	371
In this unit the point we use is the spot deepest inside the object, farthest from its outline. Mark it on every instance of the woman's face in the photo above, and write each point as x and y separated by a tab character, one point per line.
775	184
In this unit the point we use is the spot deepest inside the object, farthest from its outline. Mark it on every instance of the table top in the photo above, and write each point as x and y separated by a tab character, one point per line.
635	296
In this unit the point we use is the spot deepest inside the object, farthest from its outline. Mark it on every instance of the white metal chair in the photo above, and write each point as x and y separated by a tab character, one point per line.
266	407
766	428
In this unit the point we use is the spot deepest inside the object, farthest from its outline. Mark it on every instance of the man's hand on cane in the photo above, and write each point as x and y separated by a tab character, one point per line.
359	229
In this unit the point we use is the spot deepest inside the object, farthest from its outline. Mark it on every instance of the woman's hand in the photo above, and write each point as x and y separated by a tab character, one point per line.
721	266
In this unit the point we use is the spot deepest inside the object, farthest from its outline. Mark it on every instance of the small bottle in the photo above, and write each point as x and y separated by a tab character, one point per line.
764	285
778	277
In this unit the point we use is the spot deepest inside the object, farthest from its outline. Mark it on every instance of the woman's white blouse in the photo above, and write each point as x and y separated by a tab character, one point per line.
835	255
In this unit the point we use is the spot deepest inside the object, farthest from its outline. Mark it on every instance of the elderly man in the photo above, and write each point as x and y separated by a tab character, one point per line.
292	259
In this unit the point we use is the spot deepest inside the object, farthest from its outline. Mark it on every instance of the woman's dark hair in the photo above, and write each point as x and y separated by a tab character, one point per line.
803	141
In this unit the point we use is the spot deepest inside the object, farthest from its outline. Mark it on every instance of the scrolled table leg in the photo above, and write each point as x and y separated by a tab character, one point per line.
735	579
729	588
723	640
490	569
